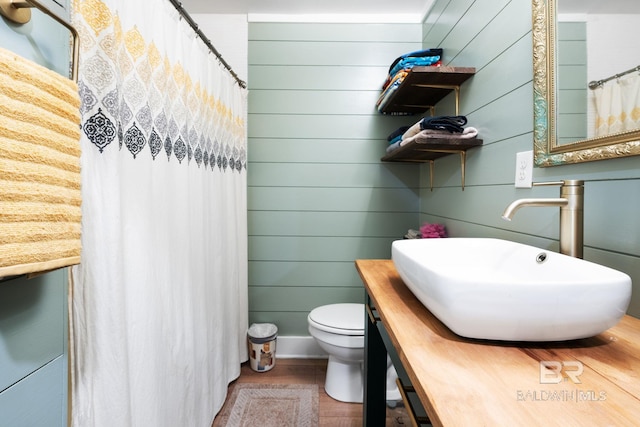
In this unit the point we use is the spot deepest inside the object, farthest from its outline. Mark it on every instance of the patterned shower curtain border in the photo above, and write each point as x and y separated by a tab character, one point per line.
101	131
179	117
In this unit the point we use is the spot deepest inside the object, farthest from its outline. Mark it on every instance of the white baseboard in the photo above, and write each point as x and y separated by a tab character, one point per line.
290	347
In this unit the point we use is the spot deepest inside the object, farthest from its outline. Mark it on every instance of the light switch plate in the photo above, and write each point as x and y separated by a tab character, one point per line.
524	169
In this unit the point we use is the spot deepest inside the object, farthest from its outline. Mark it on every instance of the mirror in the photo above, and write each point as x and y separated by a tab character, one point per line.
570	48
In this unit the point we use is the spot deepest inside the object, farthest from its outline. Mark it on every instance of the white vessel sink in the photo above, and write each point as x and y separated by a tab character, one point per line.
501	290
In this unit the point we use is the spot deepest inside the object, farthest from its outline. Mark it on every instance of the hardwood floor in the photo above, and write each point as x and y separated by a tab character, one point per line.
312	371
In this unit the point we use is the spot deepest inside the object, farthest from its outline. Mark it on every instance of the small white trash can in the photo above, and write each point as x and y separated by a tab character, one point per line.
261	338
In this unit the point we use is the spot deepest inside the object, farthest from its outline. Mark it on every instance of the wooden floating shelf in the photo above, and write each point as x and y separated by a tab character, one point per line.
424	150
424	87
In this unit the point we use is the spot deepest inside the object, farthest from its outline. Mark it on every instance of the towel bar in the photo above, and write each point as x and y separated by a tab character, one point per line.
19	11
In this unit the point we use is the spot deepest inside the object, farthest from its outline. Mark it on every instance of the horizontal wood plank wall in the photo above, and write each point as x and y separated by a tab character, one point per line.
495	37
318	195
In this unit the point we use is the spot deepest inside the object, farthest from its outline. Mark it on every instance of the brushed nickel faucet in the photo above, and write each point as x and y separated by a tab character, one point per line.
571	203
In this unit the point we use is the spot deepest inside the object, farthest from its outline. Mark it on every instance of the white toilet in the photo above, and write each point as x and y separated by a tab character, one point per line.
339	330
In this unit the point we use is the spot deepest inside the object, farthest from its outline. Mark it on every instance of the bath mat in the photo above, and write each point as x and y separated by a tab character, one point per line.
39	168
267	405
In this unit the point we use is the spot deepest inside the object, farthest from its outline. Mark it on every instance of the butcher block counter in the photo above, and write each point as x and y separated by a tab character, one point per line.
467	382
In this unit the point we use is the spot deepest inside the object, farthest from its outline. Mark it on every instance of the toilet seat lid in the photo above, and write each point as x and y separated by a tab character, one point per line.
343	319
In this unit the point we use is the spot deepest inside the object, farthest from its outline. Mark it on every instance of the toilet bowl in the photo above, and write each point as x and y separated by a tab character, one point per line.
339	330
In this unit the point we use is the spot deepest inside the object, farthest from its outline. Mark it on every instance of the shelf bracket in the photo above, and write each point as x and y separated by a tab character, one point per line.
463	162
455	88
432	164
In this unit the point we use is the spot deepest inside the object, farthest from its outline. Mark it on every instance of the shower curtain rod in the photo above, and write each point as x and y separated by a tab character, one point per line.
183	12
595	84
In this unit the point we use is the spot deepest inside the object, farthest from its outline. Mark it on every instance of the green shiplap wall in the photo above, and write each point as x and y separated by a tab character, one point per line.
319	197
495	37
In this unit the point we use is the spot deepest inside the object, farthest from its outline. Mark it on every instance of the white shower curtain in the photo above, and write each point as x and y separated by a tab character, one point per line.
617	105
159	305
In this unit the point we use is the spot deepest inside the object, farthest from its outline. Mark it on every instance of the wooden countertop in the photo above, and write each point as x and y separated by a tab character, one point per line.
466	382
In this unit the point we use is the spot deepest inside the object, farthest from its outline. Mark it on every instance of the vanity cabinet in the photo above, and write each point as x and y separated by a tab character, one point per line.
422	89
378	344
457	381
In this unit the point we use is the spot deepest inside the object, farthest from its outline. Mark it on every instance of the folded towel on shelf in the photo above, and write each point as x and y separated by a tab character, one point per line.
393	146
396	78
467	133
400	68
409	63
403	68
446	123
397	133
383	101
40	197
391	87
450	123
413	130
396	139
437	52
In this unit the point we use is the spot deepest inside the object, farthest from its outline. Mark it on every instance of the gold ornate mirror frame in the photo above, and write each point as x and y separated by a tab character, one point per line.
547	152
